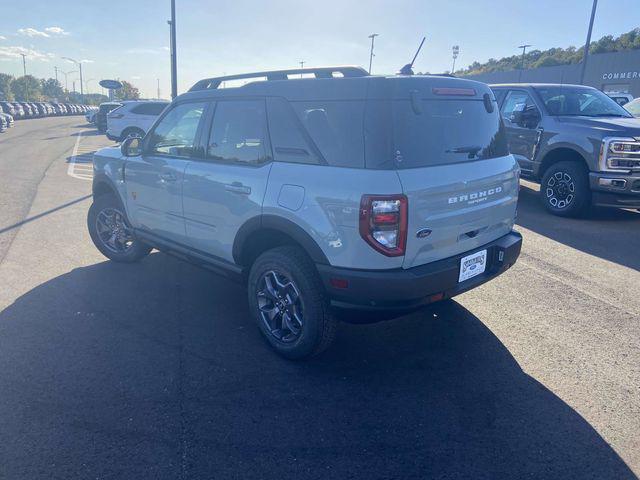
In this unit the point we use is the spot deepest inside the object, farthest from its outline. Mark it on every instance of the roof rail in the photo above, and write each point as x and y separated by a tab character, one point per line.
319	72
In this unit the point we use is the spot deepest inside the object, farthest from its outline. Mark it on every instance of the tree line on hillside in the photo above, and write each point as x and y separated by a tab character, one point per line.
32	89
555	56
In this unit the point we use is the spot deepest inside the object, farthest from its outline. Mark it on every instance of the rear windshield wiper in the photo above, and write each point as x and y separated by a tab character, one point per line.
472	150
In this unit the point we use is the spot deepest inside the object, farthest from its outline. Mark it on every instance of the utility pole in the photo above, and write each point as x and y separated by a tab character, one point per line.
24	64
588	42
56	69
158	88
80	66
371	55
302	62
456	50
26	83
524	50
174	60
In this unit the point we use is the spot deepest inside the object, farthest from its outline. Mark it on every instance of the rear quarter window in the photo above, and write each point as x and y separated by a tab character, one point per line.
336	129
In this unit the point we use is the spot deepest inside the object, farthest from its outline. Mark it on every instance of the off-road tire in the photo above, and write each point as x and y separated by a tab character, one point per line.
137	250
318	325
564	189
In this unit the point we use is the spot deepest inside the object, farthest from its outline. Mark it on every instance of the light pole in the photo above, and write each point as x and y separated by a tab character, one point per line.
24	63
174	57
66	82
302	62
588	42
455	50
524	50
80	66
371	55
56	69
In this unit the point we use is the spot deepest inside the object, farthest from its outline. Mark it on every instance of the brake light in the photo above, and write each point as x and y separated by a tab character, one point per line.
461	92
383	223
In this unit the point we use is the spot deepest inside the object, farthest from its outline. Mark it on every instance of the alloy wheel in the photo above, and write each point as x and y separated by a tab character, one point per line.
280	306
560	190
113	231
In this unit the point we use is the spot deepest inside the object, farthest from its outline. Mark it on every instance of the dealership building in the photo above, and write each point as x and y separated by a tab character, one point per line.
609	72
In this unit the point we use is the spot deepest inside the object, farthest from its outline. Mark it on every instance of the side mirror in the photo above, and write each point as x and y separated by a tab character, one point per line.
526	118
131	147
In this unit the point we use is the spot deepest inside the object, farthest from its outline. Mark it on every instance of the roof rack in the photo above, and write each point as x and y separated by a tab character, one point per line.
320	72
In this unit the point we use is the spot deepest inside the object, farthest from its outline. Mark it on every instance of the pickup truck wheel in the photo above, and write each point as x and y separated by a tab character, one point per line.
287	300
111	231
565	189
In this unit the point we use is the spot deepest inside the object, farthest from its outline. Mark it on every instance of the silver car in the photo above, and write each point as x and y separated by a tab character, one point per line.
325	194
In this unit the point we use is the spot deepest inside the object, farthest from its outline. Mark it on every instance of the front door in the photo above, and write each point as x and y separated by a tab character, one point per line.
226	188
521	120
154	179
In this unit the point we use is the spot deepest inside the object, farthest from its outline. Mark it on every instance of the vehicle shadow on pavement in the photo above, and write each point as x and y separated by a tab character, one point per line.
155	370
611	234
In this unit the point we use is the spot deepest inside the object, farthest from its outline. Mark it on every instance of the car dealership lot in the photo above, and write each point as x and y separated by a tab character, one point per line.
154	370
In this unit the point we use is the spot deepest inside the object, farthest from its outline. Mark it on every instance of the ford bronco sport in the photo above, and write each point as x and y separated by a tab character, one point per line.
338	191
581	146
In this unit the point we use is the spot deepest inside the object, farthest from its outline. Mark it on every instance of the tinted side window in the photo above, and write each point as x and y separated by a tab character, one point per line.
239	132
336	128
149	109
176	132
287	135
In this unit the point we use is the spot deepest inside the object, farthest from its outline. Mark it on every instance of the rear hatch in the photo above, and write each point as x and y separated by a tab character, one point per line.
449	148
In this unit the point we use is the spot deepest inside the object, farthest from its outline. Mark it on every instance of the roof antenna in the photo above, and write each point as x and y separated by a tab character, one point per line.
408	68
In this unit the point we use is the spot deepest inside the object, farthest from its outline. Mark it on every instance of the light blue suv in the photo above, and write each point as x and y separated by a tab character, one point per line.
324	190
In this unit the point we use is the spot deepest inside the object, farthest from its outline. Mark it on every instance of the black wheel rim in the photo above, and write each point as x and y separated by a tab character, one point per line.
113	230
560	190
280	306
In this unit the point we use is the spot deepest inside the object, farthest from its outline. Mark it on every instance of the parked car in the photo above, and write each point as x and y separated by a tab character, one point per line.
133	118
101	116
7	118
276	183
621	98
91	116
3	124
28	110
633	107
8	107
20	113
576	141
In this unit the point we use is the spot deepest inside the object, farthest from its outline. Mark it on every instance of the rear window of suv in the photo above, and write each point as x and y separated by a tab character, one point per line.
149	108
438	132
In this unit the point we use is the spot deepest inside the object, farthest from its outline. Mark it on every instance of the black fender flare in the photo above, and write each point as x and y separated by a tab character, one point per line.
280	224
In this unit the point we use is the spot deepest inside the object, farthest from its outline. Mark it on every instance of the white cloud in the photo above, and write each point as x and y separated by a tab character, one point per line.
10	53
32	32
2	38
86	61
136	77
56	31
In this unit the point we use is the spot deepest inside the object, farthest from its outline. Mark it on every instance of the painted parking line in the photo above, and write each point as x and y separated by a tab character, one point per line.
81	160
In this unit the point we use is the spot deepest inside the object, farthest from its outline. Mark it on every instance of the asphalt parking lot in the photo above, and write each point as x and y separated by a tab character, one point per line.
155	370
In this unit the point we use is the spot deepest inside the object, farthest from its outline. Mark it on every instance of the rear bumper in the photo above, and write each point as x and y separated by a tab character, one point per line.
615	190
405	290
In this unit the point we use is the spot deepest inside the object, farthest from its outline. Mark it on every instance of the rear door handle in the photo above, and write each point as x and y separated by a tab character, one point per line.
236	187
168	177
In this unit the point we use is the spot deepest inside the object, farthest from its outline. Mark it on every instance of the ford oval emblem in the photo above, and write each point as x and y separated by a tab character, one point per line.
423	233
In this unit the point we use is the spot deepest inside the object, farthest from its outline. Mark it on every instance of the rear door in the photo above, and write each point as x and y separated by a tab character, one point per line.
154	179
453	163
226	188
523	136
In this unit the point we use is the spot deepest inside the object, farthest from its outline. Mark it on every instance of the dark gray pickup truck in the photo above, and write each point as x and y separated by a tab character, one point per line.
581	146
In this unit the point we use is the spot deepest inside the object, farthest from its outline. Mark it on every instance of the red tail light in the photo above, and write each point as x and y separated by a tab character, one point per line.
383	223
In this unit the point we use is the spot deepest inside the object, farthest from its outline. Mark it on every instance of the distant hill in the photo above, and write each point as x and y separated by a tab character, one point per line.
555	56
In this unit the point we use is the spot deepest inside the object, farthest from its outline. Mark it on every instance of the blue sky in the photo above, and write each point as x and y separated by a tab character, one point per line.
129	39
